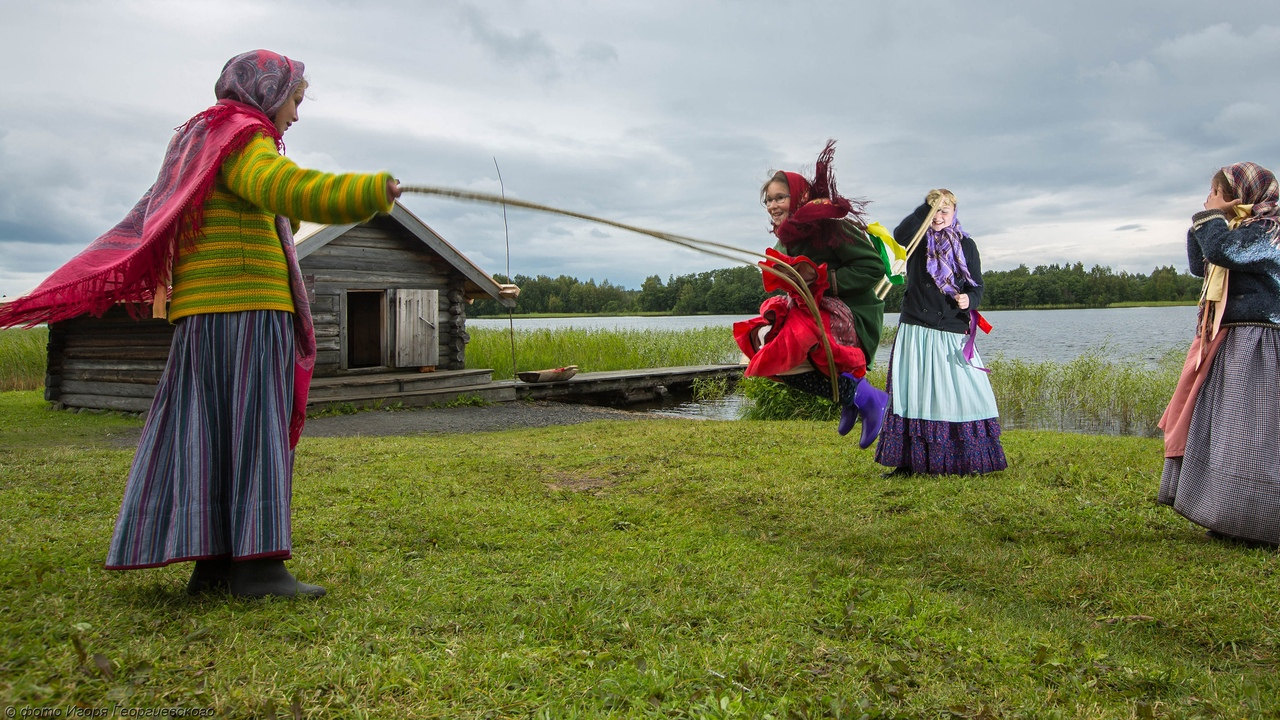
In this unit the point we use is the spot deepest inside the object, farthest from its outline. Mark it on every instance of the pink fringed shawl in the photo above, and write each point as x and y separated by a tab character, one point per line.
132	261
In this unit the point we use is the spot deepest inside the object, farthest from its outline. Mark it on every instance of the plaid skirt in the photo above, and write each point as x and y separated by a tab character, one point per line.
213	475
942	417
1228	480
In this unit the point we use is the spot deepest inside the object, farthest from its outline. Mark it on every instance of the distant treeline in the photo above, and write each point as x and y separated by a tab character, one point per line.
738	291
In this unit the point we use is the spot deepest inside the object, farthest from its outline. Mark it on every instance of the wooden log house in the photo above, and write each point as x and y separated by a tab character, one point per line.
388	298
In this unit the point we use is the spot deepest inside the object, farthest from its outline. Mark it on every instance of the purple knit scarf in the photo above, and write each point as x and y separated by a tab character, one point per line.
946	263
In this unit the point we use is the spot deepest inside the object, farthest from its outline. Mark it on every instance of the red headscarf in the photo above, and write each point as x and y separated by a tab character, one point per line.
815	204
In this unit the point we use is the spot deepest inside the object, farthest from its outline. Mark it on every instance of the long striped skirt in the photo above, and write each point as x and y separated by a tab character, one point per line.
213	475
942	417
1228	479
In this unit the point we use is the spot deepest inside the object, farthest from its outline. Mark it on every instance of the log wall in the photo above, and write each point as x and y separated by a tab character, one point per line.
114	362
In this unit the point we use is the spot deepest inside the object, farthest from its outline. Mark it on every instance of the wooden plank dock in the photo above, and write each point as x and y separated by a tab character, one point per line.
410	388
625	386
414	389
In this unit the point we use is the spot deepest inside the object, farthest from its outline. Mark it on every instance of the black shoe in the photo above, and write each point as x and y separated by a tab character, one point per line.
1243	542
898	472
263	578
213	575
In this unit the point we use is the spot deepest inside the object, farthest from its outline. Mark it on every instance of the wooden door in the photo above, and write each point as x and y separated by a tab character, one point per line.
417	337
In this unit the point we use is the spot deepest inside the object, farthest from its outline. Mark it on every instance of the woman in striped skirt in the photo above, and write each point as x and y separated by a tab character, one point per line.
212	479
1222	426
942	416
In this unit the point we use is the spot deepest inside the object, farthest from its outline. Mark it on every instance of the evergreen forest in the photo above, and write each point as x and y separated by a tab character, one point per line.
738	291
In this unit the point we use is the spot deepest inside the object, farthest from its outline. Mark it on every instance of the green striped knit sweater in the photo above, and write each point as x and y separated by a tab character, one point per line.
237	263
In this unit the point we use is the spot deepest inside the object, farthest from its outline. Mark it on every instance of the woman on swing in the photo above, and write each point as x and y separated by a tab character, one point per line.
823	236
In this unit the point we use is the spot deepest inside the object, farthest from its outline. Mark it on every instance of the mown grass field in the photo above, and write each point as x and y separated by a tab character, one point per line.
657	568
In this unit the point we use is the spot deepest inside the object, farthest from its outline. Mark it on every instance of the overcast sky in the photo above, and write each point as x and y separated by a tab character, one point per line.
1082	131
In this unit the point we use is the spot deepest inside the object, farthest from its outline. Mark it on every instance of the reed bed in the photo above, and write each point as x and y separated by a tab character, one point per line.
1087	394
22	358
598	350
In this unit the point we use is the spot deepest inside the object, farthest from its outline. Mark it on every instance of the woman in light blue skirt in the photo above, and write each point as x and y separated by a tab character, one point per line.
942	416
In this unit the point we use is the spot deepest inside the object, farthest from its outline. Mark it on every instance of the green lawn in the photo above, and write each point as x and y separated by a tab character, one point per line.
661	568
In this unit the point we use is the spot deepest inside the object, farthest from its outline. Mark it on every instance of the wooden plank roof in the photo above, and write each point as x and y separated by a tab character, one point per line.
312	236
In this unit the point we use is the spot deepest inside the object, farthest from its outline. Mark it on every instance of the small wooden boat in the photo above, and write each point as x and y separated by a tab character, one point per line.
542	376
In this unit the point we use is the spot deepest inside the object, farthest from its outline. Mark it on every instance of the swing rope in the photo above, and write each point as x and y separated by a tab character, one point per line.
789	276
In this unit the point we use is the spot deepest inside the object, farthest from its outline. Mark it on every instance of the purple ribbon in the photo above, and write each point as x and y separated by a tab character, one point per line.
971	341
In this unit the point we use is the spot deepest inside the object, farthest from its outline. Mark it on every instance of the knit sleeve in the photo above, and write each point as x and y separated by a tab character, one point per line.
1246	248
910	224
276	184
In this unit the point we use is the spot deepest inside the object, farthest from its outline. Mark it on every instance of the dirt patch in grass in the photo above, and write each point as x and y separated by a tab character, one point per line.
572	483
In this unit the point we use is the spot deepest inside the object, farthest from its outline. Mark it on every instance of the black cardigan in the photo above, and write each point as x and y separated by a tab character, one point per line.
924	304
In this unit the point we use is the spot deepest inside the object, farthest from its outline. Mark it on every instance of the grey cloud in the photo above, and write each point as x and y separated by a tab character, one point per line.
526	48
598	53
670	114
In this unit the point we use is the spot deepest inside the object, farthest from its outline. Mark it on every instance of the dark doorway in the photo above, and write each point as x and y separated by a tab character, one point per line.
365	325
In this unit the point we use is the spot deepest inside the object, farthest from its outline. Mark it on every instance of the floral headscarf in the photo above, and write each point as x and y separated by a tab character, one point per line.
259	78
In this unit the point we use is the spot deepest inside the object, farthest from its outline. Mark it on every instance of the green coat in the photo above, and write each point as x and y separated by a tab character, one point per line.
854	268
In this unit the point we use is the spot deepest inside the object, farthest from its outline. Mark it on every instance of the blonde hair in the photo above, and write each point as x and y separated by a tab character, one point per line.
942	193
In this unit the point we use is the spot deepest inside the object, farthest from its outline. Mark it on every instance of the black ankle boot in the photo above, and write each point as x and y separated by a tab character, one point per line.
213	575
262	578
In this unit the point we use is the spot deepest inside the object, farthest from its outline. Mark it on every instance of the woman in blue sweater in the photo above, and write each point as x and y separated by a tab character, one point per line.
1222	427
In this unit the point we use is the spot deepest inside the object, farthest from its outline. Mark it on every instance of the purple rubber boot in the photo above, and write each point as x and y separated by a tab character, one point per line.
848	416
849	413
870	402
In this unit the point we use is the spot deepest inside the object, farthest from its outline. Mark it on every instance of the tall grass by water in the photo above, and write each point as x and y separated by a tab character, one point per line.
1089	394
599	350
22	358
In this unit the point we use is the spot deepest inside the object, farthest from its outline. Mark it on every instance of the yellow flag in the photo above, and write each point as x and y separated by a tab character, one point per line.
882	234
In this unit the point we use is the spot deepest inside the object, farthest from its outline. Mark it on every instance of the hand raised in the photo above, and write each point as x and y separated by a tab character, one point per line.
1218	201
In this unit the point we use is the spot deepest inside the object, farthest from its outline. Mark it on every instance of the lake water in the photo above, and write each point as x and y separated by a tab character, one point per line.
1134	334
